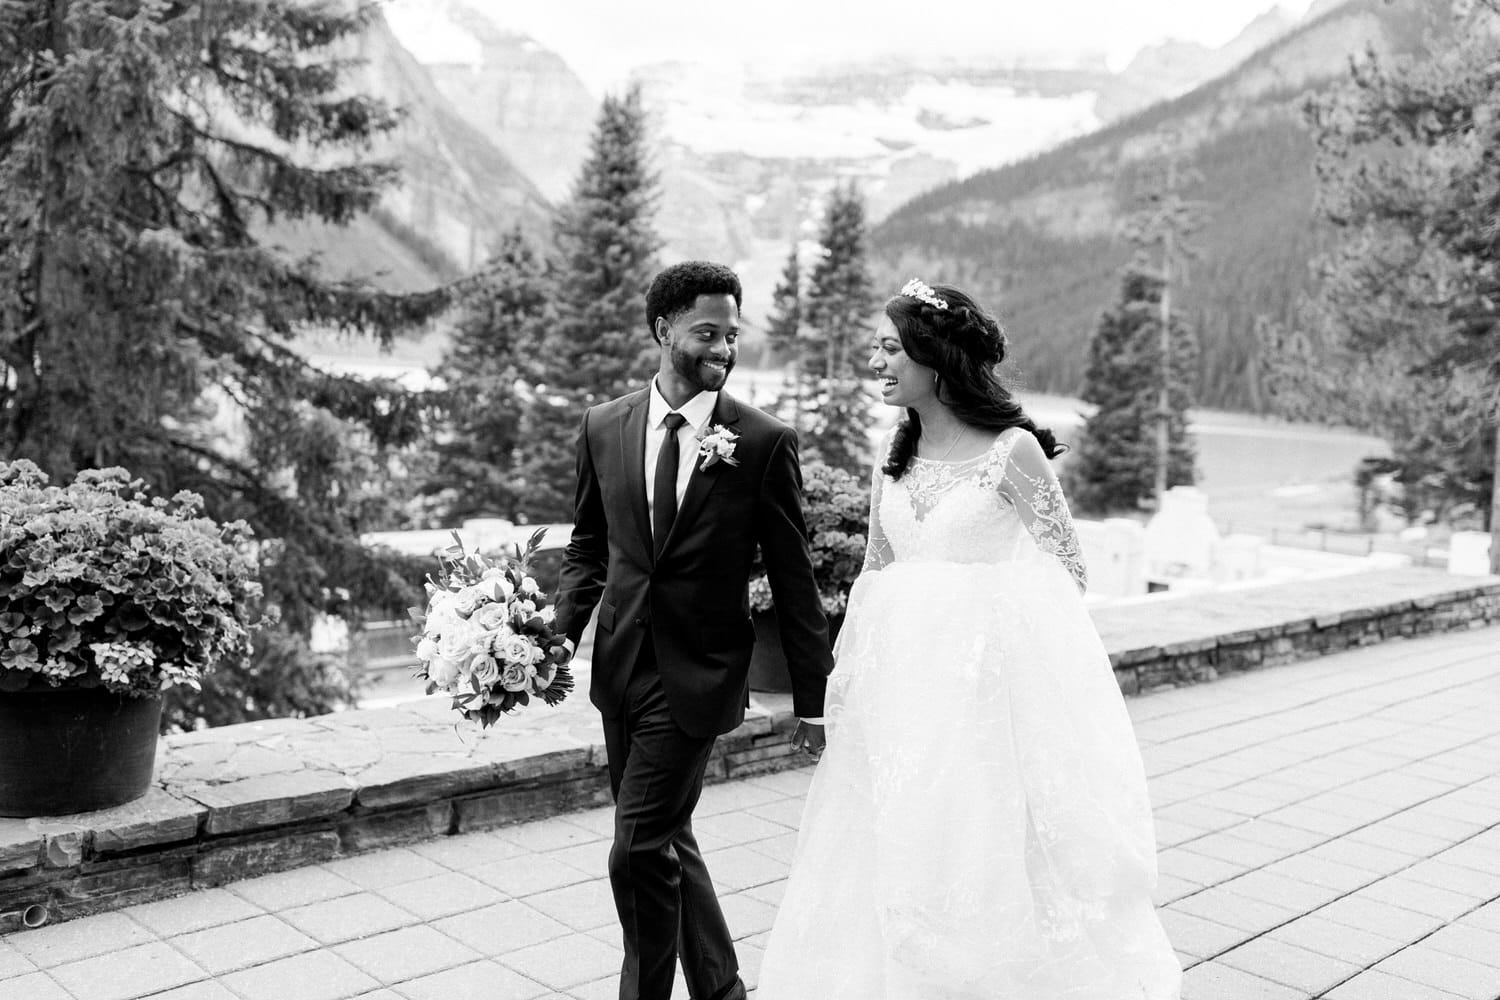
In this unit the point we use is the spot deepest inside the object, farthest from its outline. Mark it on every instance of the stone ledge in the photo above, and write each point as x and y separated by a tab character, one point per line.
1172	641
245	800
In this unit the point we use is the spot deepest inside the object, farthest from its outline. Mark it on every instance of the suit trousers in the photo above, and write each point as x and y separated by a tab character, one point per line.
661	886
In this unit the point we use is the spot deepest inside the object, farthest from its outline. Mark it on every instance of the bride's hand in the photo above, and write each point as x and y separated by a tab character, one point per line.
809	738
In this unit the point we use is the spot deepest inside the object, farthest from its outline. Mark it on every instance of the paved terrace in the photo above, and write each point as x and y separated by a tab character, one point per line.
1329	828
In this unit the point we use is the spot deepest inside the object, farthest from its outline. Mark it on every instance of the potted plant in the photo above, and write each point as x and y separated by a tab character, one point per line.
107	597
837	507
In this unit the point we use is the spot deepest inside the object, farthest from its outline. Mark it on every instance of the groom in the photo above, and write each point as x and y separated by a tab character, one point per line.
663	539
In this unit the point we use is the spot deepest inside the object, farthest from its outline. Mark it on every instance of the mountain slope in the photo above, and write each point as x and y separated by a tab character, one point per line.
1038	239
1168	69
524	98
458	192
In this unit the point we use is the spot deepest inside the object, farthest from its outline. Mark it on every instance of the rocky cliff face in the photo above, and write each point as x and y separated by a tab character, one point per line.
458	188
456	195
524	98
1163	71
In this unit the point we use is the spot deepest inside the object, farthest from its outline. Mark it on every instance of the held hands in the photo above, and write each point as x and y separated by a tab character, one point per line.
809	738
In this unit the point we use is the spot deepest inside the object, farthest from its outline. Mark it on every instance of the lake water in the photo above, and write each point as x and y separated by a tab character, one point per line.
1257	472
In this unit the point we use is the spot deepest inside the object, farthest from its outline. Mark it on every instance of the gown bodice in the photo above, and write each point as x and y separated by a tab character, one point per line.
1002	506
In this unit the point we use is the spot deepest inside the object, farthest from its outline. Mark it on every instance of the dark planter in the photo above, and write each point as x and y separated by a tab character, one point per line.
74	750
768	660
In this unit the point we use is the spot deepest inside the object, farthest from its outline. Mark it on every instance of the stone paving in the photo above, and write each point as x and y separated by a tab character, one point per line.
1327	829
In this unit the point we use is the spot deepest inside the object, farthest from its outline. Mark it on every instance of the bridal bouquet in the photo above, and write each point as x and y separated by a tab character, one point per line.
487	636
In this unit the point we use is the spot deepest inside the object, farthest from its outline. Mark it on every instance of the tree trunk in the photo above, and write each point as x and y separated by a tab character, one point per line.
1495	507
1164	402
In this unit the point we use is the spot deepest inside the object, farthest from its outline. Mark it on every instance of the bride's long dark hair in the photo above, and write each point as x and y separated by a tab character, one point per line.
965	346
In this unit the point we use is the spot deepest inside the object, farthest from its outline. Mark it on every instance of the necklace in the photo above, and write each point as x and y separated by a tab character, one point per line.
961	435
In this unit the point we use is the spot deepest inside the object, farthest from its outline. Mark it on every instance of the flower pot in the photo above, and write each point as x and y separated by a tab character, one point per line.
74	750
768	660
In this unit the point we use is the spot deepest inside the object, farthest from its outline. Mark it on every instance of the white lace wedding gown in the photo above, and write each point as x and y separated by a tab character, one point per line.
978	827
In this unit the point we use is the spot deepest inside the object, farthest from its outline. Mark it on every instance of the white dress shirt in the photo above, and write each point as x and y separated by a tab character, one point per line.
699	413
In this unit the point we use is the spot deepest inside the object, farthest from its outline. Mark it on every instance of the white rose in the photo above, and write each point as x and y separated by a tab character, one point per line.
491	617
513	649
468	600
461	641
529	587
513	677
426	649
485	670
442	672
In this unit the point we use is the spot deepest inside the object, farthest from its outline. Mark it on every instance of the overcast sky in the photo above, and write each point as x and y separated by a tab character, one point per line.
602	39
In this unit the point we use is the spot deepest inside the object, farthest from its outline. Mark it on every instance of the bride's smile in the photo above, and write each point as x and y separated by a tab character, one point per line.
902	381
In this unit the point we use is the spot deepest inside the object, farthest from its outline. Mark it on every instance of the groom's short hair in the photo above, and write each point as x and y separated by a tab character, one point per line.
676	288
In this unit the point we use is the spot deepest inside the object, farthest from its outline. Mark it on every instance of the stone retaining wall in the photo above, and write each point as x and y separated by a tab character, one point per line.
1194	639
259	797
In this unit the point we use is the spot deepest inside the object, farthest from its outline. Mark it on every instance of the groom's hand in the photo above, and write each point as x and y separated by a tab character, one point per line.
809	738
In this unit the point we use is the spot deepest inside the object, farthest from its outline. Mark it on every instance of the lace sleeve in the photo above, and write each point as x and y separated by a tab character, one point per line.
878	553
1031	486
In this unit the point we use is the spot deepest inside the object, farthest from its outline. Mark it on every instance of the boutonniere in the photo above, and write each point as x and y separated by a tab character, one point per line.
717	445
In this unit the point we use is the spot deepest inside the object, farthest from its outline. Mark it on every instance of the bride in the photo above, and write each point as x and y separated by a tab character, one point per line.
978	828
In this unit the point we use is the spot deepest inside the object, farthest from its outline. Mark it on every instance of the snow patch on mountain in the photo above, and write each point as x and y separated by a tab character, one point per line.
428	32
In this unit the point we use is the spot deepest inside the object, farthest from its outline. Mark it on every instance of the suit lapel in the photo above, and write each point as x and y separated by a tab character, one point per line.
633	450
726	414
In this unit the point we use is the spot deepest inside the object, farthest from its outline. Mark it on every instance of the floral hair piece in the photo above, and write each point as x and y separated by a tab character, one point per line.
918	289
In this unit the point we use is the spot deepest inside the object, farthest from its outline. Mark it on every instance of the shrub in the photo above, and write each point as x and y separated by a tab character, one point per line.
101	585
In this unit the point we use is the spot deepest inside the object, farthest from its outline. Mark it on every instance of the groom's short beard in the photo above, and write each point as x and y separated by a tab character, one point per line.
693	369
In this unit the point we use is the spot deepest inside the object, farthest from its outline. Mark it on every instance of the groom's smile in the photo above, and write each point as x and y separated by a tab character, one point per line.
699	346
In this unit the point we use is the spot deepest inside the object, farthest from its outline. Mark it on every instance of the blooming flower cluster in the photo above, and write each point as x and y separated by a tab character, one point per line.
487	635
837	507
717	445
101	584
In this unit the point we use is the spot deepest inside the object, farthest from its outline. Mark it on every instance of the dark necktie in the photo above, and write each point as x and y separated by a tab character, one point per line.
664	490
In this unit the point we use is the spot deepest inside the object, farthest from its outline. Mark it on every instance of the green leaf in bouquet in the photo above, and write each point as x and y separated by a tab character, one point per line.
533	544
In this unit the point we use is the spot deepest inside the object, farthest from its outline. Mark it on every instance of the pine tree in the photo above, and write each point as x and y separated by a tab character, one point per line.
1402	337
1113	467
597	346
838	311
141	146
605	247
785	338
488	375
1162	226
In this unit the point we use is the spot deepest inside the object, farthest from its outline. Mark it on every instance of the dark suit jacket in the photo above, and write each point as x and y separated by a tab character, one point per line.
693	601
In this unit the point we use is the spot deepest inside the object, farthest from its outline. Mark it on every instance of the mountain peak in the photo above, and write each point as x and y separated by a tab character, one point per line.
1174	67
